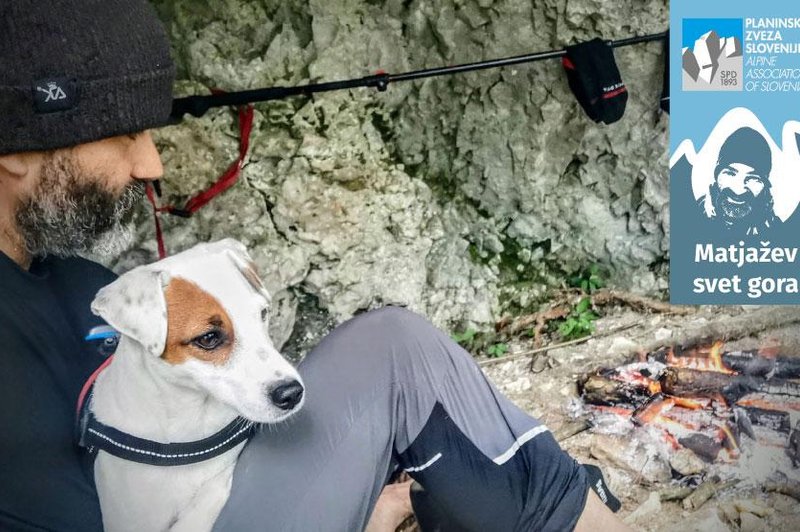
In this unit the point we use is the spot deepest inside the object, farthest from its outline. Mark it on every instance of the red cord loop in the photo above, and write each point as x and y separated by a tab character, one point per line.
151	196
225	181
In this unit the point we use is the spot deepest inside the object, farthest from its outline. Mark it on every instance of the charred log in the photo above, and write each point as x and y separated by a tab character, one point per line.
771	419
794	446
650	409
743	423
767	402
743	385
660	355
757	363
690	382
600	390
695	350
752	363
703	446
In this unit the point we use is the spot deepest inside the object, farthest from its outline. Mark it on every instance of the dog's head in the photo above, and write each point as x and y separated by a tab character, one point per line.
200	318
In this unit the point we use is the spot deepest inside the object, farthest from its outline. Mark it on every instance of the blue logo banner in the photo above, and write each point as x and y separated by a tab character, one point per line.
734	158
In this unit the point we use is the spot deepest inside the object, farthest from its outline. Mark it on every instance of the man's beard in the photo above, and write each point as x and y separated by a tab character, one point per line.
71	212
745	209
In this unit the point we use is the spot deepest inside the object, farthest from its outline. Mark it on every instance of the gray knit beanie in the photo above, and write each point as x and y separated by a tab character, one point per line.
75	71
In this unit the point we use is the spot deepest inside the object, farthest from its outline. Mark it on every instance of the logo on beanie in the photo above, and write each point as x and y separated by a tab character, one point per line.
54	94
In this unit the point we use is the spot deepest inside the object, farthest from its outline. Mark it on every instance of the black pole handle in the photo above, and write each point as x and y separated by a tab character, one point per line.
199	105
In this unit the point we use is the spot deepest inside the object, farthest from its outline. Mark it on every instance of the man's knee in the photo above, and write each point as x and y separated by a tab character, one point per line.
387	333
392	321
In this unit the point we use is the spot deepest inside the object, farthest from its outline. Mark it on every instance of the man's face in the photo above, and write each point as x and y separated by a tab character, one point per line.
740	193
83	200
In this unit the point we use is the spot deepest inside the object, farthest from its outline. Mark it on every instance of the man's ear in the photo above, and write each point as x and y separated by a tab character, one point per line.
14	165
134	305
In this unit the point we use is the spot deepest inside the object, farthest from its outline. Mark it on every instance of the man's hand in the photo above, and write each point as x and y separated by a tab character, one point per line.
393	507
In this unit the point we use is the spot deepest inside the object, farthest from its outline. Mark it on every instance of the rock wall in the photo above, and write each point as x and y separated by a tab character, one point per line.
459	196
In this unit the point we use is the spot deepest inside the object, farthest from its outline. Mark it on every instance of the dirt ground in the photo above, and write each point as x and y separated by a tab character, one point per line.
549	391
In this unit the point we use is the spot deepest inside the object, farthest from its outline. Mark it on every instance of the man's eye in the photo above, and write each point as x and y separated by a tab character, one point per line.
210	340
264	314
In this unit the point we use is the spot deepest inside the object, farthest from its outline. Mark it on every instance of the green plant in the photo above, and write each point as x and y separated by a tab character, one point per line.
464	338
497	350
579	322
588	280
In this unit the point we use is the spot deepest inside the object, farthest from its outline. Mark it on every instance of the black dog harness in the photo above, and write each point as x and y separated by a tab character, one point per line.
94	436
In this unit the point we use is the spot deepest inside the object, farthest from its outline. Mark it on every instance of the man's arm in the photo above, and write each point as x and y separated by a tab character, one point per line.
596	516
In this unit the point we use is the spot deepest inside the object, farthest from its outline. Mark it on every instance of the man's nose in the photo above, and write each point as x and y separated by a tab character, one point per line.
146	159
737	185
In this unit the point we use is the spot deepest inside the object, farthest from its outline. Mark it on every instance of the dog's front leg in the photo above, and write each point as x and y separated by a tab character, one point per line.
205	505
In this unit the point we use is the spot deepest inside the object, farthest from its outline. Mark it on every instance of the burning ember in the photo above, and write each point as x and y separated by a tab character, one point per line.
704	399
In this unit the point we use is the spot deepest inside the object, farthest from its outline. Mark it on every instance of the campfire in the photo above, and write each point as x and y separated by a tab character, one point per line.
718	404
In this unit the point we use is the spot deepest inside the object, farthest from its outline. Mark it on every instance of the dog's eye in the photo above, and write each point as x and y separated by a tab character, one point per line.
264	313
210	340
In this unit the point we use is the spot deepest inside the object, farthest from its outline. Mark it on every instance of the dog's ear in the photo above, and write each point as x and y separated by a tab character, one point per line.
134	305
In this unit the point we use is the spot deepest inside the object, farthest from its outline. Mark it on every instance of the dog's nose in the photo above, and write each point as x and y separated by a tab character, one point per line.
287	394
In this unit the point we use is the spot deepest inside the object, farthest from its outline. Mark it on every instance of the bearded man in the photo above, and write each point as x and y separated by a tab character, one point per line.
83	82
740	198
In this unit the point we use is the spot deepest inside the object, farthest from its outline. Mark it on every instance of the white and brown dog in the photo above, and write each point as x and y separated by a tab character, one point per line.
195	369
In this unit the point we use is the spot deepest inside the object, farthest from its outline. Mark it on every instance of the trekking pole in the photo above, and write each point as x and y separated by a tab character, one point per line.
198	105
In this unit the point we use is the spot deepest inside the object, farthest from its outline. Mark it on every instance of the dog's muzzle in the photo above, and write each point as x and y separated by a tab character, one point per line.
286	395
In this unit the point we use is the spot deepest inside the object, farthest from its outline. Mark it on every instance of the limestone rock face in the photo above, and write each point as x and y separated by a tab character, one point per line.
456	196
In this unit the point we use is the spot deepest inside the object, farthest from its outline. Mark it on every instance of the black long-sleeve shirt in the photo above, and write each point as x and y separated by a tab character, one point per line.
45	359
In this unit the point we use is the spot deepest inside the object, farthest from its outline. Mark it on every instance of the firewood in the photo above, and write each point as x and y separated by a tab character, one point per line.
771	419
794	446
752	363
743	385
690	382
740	326
704	492
600	390
674	493
705	447
648	411
571	428
787	487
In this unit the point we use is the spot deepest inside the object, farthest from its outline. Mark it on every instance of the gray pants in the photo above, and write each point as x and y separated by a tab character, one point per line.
386	390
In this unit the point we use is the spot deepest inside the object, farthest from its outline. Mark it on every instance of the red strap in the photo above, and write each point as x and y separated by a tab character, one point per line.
225	181
567	63
232	173
89	382
162	251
